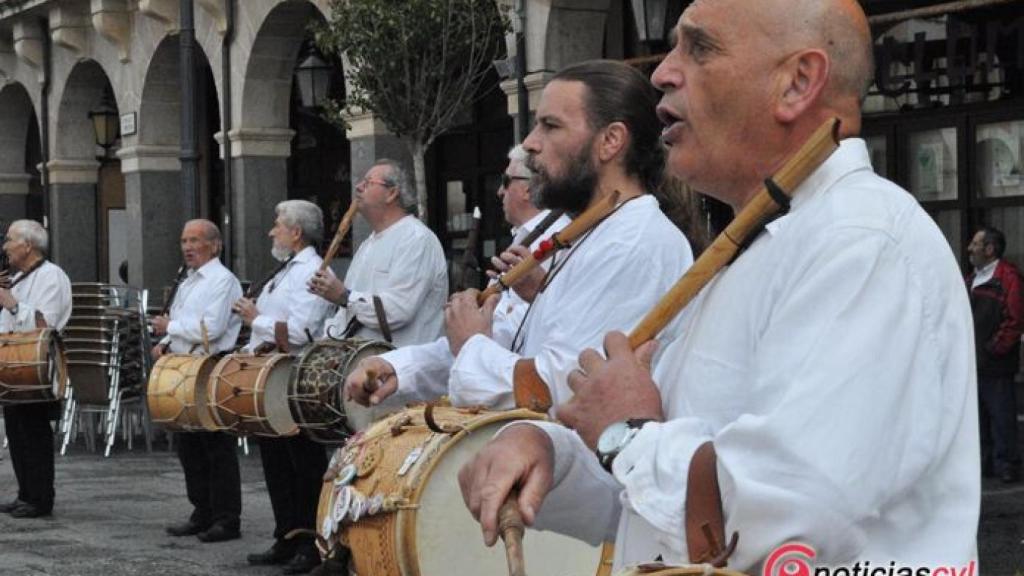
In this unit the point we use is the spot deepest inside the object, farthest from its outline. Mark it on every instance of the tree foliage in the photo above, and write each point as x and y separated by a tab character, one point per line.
415	64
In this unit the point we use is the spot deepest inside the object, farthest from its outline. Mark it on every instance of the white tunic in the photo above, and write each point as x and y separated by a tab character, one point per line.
286	299
404	265
204	295
48	291
607	281
423	370
833	367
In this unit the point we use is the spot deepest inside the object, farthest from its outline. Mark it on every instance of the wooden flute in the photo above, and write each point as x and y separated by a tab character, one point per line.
343	227
565	237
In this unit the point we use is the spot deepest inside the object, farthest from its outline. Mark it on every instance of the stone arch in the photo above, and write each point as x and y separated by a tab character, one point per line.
19	130
560	32
84	89
267	84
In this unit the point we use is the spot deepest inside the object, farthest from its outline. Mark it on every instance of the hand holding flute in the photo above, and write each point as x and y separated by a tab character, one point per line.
325	284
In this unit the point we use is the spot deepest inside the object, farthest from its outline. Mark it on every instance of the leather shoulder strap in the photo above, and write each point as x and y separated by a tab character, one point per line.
705	522
529	389
382	318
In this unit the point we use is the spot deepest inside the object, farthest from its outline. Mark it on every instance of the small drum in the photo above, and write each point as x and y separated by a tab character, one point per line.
317	388
177	392
392	498
33	367
248	394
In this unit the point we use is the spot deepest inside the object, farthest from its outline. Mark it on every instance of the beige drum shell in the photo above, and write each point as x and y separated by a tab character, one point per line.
326	364
248	394
33	367
176	393
432	533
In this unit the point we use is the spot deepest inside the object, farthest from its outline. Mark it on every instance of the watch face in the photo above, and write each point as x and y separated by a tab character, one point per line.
612	438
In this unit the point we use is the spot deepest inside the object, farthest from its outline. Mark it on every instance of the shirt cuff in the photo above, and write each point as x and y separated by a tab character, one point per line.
654	468
482	375
263	329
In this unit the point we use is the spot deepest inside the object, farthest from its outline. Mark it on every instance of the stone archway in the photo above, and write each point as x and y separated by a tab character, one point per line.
77	227
19	150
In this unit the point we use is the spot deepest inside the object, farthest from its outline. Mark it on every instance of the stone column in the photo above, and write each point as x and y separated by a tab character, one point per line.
155	207
535	84
74	231
260	181
13	197
369	140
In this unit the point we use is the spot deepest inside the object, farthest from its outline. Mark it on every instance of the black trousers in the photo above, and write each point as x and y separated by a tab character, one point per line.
293	468
212	479
997	404
30	440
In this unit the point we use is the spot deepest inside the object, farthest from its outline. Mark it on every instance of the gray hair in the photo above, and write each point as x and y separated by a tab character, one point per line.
399	178
210	233
32	232
519	155
304	214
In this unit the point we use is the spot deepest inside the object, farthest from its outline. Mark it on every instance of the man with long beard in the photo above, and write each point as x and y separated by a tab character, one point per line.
596	134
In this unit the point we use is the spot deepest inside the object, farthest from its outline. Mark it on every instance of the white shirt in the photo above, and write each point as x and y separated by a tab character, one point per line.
46	290
286	299
404	266
833	367
204	295
423	370
984	274
609	280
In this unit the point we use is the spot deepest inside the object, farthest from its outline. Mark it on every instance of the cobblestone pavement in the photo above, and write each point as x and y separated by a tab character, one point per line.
111	512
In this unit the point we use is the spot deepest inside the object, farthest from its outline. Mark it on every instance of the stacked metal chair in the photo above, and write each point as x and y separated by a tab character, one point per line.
107	352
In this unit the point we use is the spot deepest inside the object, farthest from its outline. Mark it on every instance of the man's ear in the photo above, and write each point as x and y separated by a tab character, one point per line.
393	195
803	77
613	140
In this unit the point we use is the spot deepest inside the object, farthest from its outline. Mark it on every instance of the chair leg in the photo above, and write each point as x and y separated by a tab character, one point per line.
244	443
70	417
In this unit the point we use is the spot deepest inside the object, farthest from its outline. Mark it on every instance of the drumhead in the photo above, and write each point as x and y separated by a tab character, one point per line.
449	541
275	396
357	416
55	367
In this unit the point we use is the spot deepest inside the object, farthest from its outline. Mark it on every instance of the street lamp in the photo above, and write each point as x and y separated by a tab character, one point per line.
313	76
650	19
105	121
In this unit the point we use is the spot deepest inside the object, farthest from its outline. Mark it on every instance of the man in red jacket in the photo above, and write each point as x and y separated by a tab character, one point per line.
996	302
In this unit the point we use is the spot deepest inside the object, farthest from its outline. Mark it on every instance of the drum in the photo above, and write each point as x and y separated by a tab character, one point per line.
317	388
177	392
33	367
248	394
392	498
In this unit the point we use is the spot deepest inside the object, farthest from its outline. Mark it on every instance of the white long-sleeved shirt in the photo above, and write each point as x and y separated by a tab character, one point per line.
46	290
607	281
404	266
204	297
286	299
832	365
422	370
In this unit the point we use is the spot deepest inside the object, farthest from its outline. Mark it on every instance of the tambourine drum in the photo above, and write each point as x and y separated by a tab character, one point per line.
33	367
248	394
177	392
317	388
391	496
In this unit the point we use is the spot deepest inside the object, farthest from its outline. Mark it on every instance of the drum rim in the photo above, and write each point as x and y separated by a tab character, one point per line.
202	406
271	361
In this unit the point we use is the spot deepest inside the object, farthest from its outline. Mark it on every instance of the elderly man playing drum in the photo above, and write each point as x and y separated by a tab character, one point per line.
287	315
423	370
200	322
398	280
823	392
596	141
40	297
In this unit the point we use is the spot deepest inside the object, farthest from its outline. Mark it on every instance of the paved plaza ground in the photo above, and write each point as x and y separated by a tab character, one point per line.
111	513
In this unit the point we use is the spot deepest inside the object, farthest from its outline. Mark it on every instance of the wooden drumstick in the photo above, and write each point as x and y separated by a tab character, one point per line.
511	527
206	337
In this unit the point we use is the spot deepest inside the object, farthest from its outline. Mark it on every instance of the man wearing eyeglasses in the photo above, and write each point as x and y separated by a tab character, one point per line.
397	284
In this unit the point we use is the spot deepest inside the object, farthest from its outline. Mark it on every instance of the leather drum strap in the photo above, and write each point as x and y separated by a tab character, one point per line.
382	319
529	389
281	336
705	523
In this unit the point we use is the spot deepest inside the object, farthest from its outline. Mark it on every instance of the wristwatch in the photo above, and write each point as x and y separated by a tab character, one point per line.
615	438
14	311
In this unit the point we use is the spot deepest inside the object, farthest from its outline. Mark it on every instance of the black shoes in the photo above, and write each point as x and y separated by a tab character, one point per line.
219	533
26	510
302	563
10	506
279	553
188	528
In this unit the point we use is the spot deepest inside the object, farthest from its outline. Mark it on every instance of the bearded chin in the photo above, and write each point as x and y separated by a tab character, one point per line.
279	253
573	192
